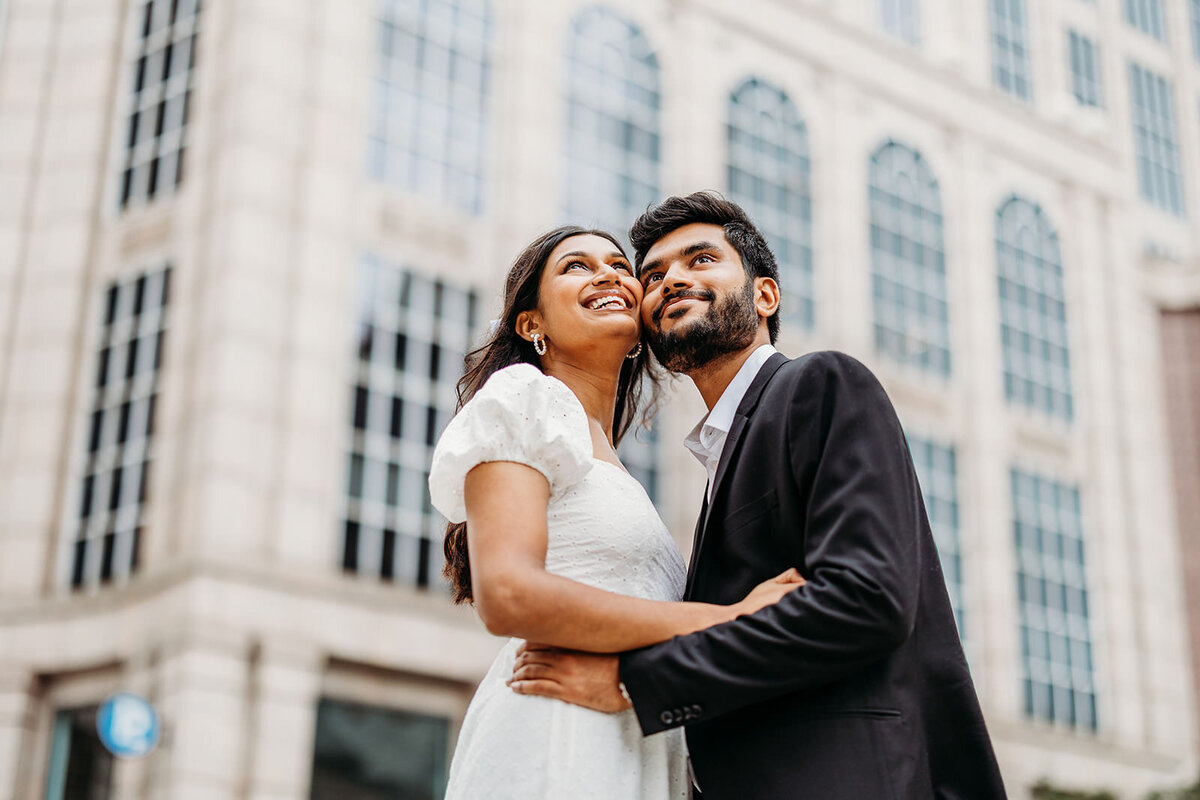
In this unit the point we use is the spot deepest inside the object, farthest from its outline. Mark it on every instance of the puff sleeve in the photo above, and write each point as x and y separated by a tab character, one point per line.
519	415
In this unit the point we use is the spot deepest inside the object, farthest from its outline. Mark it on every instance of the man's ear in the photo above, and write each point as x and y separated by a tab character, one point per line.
529	323
766	296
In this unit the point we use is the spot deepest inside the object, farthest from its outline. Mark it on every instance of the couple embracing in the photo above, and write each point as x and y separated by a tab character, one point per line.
809	650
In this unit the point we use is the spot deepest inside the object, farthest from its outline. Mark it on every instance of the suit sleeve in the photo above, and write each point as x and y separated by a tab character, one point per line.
860	540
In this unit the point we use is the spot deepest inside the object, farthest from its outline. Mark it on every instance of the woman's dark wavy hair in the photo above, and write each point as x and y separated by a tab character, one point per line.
637	386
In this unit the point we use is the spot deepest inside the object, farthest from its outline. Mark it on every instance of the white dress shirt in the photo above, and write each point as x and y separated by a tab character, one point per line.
707	439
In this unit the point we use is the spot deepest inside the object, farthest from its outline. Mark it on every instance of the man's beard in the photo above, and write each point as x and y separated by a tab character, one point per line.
729	325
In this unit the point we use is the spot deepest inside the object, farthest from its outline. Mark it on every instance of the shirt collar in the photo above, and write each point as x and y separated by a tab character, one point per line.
710	432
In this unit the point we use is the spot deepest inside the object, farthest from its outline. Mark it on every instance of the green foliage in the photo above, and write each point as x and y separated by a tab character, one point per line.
1045	791
1188	793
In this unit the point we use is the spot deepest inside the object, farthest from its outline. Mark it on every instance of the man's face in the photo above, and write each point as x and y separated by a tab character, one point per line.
699	302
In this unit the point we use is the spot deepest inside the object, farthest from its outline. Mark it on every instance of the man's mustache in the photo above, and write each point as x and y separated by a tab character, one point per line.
657	313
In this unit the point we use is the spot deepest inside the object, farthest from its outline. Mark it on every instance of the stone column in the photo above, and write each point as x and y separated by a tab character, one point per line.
202	702
16	728
286	686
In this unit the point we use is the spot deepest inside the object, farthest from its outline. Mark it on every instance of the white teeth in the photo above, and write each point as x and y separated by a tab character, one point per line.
606	302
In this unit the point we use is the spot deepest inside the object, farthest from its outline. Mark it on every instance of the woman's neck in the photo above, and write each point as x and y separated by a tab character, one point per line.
594	385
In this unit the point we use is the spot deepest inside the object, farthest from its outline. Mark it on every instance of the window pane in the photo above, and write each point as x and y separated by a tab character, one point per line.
1011	70
1160	177
1055	627
367	753
769	176
120	431
402	395
908	260
162	75
1033	322
429	101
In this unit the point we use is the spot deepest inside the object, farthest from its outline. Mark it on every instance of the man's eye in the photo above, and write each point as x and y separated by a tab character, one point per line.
657	276
704	258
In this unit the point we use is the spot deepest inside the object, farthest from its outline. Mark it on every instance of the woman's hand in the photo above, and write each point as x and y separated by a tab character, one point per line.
769	592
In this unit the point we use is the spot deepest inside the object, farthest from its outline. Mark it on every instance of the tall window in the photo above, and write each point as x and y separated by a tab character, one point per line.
1160	177
120	432
161	92
1056	642
908	262
412	334
370	752
612	151
902	19
1196	28
611	170
1147	17
769	177
429	106
1011	70
1033	316
937	470
1086	84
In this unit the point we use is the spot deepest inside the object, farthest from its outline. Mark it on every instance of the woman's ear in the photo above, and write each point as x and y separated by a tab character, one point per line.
766	296
529	323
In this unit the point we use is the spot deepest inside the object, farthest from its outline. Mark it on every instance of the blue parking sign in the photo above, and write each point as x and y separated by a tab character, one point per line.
128	725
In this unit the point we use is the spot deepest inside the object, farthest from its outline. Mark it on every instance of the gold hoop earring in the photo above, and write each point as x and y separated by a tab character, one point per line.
637	351
539	344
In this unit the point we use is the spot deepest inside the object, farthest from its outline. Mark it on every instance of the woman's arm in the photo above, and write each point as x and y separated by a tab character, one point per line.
515	595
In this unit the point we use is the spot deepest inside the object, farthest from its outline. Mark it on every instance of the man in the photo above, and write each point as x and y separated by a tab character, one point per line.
853	686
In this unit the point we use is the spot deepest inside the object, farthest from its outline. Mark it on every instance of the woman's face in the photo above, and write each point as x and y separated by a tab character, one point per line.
588	294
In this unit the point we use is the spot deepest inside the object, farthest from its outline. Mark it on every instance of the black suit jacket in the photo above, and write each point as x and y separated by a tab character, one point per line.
853	687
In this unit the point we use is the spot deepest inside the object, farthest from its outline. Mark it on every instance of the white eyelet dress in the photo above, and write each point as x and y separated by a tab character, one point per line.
603	531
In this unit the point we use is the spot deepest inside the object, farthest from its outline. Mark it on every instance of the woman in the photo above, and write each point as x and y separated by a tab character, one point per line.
565	548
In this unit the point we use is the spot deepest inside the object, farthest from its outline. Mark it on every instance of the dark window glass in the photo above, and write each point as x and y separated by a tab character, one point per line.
80	768
387	569
369	753
102	370
350	550
106	557
397	426
360	408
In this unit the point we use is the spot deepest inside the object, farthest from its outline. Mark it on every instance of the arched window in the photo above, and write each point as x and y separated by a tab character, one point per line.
612	152
769	177
1033	317
429	120
908	261
612	140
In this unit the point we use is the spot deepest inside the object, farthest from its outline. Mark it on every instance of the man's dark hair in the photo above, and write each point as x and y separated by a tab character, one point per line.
711	208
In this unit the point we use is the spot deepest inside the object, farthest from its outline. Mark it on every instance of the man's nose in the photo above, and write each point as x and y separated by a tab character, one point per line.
675	280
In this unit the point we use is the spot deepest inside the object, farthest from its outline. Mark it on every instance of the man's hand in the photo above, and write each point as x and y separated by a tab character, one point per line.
583	679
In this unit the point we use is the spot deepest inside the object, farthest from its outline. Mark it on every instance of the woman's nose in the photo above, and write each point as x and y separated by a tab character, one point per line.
607	274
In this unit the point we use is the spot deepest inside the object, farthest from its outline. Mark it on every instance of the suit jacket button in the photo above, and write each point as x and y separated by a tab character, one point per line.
697	710
666	718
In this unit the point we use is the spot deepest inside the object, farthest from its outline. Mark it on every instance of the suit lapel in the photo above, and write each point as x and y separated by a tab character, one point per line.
736	431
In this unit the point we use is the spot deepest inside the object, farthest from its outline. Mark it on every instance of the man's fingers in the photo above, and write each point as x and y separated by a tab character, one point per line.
790	575
543	658
542	688
532	671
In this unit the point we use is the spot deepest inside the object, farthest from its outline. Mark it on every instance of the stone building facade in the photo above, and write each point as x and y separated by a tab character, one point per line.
244	245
